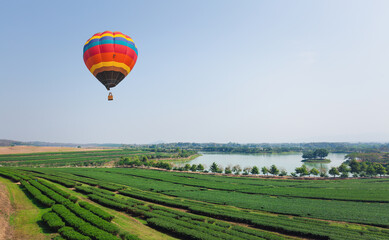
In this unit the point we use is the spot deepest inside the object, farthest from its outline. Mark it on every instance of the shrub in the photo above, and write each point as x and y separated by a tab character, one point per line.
98	211
71	234
53	220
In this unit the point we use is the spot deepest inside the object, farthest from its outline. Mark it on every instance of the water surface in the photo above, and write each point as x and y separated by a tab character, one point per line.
286	162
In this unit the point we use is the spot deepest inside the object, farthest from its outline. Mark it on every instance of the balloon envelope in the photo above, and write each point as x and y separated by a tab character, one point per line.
110	57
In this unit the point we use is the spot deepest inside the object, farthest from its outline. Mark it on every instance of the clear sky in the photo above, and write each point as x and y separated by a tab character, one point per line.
207	71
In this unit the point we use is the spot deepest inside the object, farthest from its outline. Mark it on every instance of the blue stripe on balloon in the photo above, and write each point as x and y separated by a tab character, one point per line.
110	40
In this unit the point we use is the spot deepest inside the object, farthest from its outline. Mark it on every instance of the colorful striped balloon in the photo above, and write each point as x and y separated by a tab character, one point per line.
110	57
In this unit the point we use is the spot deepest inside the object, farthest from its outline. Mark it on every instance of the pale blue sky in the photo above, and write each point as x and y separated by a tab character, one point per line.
207	71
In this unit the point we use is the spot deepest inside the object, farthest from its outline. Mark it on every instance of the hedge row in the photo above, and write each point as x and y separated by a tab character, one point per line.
96	210
53	220
50	193
220	230
108	203
111	187
70	234
181	231
93	190
54	188
93	219
37	194
155	198
297	226
128	236
291	226
10	176
83	227
56	179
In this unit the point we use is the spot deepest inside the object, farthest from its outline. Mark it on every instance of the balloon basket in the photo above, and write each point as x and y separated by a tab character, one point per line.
110	97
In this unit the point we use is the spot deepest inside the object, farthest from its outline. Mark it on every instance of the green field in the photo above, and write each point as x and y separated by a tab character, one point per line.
138	203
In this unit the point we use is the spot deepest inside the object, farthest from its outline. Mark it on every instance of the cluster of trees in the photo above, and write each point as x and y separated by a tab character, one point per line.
143	160
237	170
304	171
381	157
193	168
320	153
359	169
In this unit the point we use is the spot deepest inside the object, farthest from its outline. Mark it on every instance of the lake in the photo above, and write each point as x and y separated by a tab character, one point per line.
286	162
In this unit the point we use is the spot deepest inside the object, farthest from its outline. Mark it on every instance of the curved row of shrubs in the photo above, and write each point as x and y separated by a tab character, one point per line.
83	227
54	188
93	219
93	190
98	211
50	193
53	220
43	199
71	234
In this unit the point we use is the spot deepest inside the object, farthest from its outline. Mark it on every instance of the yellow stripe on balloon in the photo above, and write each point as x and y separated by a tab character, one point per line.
111	35
109	64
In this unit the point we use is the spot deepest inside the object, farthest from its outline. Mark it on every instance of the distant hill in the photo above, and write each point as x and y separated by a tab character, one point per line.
6	142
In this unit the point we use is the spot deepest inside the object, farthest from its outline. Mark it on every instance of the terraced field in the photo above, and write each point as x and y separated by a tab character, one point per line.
135	203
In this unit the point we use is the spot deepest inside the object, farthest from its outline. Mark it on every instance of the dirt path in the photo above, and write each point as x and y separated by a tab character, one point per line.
6	209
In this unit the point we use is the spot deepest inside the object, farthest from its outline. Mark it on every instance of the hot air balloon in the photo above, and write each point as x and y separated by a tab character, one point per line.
110	57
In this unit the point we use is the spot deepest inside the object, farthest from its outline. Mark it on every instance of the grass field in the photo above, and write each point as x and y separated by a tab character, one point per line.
25	215
153	204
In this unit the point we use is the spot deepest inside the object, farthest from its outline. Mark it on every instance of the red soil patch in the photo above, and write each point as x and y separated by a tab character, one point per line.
6	209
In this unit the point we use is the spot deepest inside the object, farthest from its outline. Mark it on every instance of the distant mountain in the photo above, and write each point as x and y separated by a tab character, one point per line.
6	142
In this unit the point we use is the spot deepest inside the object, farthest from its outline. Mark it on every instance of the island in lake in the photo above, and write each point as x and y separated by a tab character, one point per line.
316	156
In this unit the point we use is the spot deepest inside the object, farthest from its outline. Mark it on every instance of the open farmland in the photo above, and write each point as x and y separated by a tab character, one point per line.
78	158
136	203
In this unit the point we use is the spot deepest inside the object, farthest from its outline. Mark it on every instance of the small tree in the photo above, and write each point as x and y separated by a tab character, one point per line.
255	170
193	168
344	170
303	171
214	167
363	167
265	170
274	170
246	170
355	167
314	172
321	153
187	167
333	171
283	173
200	167
308	155
380	170
228	170
371	171
236	169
